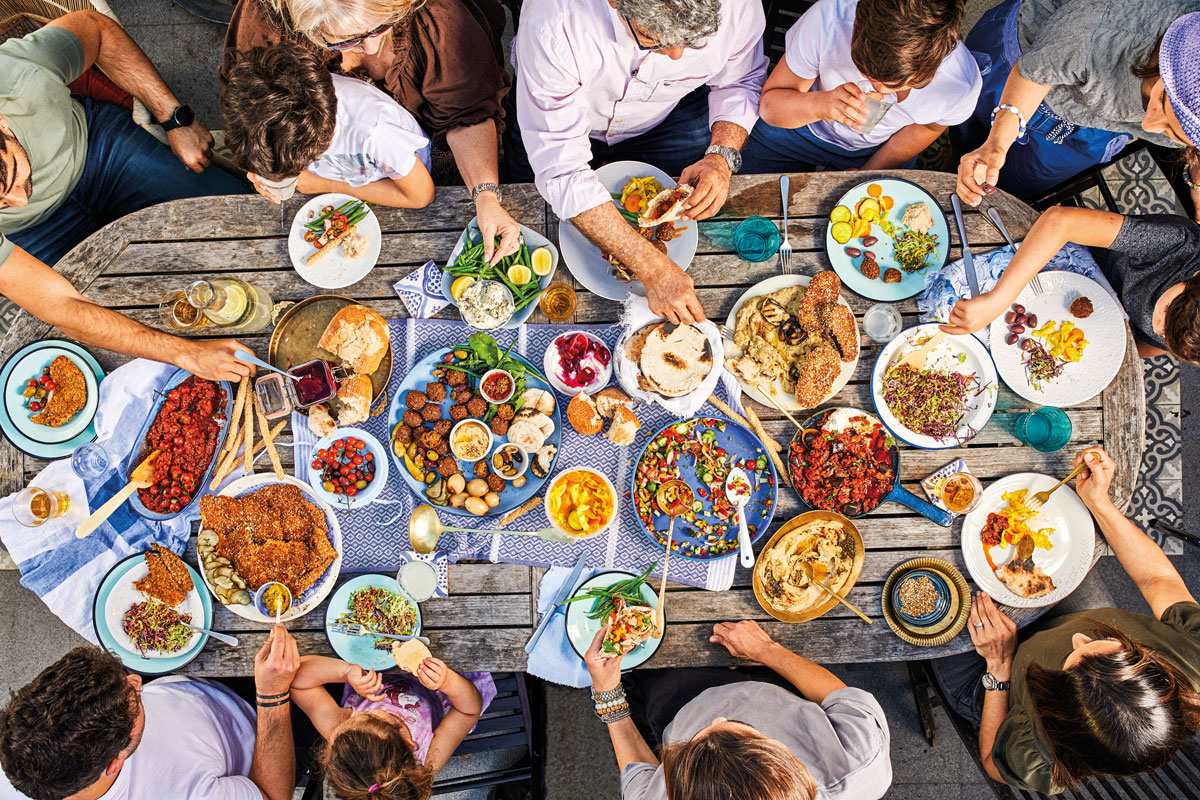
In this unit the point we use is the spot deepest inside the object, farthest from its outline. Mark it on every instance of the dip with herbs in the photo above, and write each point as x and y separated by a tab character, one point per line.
485	305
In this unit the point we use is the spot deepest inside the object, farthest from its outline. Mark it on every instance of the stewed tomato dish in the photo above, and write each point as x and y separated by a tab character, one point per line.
185	433
848	471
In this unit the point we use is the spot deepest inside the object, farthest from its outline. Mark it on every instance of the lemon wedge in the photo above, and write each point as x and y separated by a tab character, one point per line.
459	286
519	274
542	261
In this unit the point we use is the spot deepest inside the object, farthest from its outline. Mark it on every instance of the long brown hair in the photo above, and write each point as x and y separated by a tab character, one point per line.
372	761
1115	713
724	765
1181	325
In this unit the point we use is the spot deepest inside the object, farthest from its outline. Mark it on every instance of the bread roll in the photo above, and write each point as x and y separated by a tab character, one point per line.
623	428
355	397
359	337
319	421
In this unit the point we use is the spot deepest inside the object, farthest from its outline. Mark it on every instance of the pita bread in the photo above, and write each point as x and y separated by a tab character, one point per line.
1025	579
676	359
633	348
410	654
656	214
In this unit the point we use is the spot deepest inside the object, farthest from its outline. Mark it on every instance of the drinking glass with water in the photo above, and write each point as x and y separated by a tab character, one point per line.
877	104
1047	429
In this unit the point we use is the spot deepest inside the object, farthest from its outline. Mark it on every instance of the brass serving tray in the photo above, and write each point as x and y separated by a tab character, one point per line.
295	338
945	629
812	612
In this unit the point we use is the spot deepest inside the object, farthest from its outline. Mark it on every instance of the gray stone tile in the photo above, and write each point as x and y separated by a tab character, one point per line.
977	791
579	757
152	12
34	638
187	57
924	791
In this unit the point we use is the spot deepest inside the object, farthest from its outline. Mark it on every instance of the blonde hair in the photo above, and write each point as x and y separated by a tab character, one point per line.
312	18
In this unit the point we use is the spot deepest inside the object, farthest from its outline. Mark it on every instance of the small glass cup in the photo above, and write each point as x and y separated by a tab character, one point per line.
558	302
877	104
283	190
881	322
756	239
177	314
1047	429
419	579
90	460
33	506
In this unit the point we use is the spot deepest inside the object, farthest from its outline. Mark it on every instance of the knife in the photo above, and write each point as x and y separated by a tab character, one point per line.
567	589
1167	528
968	261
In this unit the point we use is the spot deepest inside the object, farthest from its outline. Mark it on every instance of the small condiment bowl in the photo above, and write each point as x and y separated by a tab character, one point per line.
551	359
478	288
519	461
260	605
454	432
941	605
497	399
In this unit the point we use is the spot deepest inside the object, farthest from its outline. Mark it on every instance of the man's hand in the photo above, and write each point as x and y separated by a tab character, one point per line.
367	683
994	636
214	360
605	672
192	145
433	673
973	313
844	104
1092	484
276	663
671	294
494	222
709	177
267	191
977	168
745	639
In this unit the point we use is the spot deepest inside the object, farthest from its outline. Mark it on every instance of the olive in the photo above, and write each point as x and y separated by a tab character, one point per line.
1020	319
1027	344
1031	320
1020	309
1011	338
869	255
1018	329
853	252
870	241
1010	317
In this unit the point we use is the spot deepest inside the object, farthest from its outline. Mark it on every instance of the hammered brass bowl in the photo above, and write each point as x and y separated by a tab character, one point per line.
948	626
826	602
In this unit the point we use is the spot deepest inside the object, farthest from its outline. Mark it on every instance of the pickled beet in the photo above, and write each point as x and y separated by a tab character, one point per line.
1011	338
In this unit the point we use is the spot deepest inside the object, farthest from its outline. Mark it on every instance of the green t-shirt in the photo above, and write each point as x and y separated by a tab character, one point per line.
1021	752
48	123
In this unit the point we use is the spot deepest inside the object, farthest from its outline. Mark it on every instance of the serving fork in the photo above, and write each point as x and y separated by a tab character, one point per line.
785	247
355	629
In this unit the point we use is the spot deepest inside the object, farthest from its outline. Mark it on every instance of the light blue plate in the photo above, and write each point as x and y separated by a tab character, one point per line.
533	240
31	367
133	660
13	380
361	649
581	630
904	193
367	496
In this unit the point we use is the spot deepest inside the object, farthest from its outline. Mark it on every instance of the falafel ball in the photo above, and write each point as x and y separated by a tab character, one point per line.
431	412
869	268
404	434
505	411
477	406
443	448
892	275
458	412
435	392
415	400
429	439
481	469
447	466
462	395
495	483
499	425
443	426
456	377
1081	308
412	419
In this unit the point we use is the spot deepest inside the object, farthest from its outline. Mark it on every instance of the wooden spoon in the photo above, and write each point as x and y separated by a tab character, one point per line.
142	476
672	497
916	359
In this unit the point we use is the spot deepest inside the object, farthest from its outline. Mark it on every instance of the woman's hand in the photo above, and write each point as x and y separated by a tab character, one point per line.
605	672
843	104
745	639
978	168
973	313
994	636
1092	484
494	222
367	683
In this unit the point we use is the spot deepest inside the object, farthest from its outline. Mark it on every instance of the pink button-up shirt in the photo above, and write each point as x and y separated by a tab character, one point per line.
580	75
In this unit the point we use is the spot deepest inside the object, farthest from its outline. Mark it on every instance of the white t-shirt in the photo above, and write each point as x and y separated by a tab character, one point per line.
818	46
374	137
198	743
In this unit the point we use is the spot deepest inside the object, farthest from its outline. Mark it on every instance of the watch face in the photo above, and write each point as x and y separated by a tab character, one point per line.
989	682
184	116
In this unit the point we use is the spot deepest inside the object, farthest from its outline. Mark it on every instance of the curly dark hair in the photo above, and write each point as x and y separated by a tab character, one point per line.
61	731
280	110
1182	322
903	42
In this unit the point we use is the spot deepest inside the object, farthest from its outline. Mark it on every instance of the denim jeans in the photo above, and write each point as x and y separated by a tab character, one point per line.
126	169
772	149
672	145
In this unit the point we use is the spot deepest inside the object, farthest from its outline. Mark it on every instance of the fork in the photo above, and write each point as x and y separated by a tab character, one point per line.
1040	499
992	215
727	332
785	248
355	629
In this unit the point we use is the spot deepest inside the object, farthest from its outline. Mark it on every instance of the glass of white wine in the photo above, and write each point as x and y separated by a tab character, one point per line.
33	506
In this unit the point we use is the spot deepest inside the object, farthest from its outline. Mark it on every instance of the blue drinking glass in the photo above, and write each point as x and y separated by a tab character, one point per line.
756	239
1047	429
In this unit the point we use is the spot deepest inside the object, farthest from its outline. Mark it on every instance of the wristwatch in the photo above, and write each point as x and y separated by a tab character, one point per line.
732	157
487	187
181	117
993	685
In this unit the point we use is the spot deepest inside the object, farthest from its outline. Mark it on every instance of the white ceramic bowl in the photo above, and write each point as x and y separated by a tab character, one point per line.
490	440
566	531
524	464
550	366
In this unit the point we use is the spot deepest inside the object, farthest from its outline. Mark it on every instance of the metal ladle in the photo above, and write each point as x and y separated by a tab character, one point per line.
424	528
672	498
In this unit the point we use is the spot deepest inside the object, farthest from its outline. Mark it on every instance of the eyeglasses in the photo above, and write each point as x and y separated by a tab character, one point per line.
637	37
350	44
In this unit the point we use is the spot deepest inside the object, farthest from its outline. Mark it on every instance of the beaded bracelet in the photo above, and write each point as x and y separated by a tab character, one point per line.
1187	178
615	716
1014	110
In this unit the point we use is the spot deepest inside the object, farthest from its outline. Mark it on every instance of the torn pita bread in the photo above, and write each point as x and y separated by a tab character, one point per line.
1025	579
666	206
409	655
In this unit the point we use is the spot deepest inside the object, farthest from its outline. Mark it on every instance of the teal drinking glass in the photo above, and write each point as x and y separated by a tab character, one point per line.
756	239
1047	429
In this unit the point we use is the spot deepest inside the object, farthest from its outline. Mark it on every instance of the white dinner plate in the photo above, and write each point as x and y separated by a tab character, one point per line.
587	263
1067	562
335	270
1104	330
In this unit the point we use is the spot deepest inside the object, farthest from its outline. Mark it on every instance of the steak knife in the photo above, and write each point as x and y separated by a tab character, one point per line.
968	261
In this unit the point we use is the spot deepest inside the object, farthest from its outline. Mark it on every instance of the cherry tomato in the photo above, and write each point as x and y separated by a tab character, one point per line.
316	465
34	405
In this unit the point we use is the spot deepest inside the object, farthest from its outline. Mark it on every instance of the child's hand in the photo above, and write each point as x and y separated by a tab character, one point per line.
973	313
844	104
368	684
433	673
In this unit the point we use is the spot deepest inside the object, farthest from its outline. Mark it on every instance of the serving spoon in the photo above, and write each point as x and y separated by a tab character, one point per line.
738	478
672	498
424	528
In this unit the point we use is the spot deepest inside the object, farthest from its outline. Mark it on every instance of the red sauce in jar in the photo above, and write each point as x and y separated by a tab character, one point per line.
315	384
186	433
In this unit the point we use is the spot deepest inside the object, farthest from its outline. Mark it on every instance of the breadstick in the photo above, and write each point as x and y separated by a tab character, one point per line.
327	249
727	411
521	510
235	422
247	446
230	460
267	440
768	441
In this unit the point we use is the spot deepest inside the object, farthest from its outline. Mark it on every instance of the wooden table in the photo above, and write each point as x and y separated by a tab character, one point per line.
131	264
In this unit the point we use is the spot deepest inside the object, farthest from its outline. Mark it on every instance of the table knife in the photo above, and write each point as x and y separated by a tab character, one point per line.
968	261
1167	528
567	589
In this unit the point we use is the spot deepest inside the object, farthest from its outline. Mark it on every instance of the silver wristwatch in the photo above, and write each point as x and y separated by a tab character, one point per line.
487	187
993	685
732	157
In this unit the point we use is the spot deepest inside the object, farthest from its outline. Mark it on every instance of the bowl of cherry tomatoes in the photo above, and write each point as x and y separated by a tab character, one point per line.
349	469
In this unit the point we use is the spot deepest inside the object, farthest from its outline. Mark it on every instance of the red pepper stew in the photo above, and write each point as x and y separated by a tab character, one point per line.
848	471
186	433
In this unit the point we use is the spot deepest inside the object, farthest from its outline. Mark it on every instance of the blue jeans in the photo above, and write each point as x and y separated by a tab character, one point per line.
1053	150
126	169
772	149
672	145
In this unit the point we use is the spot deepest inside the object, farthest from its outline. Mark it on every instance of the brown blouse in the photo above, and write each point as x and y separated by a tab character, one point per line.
441	69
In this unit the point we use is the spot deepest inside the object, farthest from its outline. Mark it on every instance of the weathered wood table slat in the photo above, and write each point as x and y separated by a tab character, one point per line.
133	262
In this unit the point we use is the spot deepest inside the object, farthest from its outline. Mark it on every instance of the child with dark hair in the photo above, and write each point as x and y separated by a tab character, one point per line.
292	124
844	58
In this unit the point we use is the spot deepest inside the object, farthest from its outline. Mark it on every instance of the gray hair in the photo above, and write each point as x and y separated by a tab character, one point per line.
673	23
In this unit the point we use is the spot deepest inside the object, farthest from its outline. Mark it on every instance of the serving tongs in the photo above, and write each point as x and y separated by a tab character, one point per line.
141	477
